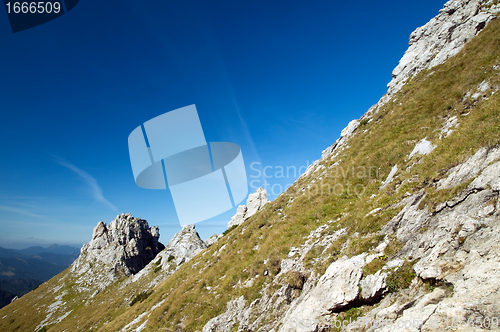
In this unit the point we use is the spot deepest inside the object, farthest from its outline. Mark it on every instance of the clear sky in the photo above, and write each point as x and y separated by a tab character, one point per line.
279	78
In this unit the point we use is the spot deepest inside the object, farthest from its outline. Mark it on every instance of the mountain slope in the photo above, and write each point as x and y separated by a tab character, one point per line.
397	222
7	253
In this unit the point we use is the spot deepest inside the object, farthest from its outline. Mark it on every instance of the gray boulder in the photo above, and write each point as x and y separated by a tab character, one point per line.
373	285
337	288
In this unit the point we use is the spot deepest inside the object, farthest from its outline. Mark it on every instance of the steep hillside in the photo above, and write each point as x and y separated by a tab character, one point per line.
395	228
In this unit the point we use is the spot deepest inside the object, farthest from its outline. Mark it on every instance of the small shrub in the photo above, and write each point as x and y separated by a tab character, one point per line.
432	284
170	258
352	314
158	262
401	278
364	122
295	279
158	268
275	266
140	297
363	244
229	229
393	247
348	316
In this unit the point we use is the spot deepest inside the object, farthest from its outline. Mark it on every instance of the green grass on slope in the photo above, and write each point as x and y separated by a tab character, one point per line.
200	289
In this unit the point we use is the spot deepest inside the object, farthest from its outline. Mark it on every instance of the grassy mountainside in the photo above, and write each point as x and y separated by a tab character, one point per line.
340	195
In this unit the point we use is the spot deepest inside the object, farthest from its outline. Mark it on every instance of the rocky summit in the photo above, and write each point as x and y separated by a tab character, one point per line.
394	228
122	248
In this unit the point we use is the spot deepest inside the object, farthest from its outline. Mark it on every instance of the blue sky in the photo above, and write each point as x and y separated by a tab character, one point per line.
280	79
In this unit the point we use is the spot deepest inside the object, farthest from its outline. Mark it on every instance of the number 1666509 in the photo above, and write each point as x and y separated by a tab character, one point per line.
33	7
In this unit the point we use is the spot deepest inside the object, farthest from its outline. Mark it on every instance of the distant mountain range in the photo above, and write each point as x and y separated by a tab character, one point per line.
22	270
53	249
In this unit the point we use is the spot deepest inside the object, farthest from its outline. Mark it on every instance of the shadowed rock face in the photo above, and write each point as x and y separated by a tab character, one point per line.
124	247
182	247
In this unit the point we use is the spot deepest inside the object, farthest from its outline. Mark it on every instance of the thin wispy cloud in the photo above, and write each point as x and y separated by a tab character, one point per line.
89	180
21	212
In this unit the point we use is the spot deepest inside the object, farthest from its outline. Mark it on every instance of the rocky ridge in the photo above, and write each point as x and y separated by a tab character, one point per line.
441	38
429	45
122	248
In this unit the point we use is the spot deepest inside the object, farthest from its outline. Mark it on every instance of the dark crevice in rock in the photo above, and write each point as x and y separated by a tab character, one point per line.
460	199
359	303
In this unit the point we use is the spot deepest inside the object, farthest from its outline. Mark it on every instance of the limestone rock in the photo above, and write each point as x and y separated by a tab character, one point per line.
423	147
448	127
441	38
340	142
470	168
335	289
489	178
122	248
239	217
214	238
228	319
255	202
373	285
184	245
390	177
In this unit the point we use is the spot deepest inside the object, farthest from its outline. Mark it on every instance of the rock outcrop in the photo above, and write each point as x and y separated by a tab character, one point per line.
442	37
339	143
255	202
182	247
122	248
334	290
430	45
212	239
